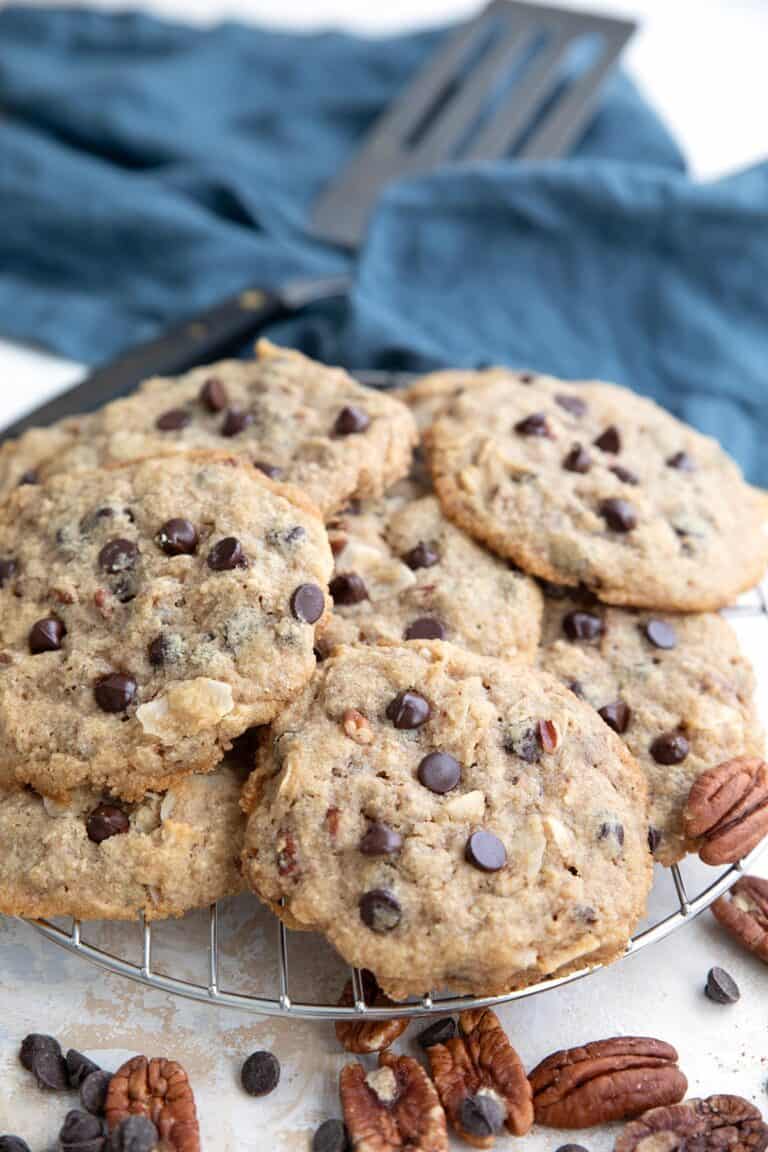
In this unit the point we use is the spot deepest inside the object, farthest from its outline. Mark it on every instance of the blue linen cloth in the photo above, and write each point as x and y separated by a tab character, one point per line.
148	168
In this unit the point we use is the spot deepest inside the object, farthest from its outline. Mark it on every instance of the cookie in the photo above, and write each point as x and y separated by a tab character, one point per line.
296	420
675	688
149	614
95	859
447	819
589	484
430	395
402	571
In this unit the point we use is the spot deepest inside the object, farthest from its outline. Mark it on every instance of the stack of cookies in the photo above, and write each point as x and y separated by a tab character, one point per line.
460	645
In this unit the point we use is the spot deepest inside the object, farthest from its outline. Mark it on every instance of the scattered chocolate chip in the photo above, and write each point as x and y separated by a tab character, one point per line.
438	1033
115	692
350	421
482	1115
533	425
41	1055
79	1067
654	838
46	635
670	748
93	1092
331	1136
577	460
134	1134
439	772
721	987
348	588
582	626
424	555
13	1144
546	734
624	474
660	634
81	1132
178	537
8	568
173	420
618	514
270	470
380	910
308	603
408	710
485	851
235	422
616	715
573	404
611	830
682	461
260	1073
118	556
425	628
609	440
29	477
524	744
380	840
35	1043
213	395
106	820
226	555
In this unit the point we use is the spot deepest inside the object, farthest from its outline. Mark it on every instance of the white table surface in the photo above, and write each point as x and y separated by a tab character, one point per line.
704	63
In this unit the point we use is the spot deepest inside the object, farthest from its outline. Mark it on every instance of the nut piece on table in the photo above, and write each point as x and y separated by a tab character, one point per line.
743	911
160	1090
709	1125
480	1079
728	808
614	1079
367	1035
392	1108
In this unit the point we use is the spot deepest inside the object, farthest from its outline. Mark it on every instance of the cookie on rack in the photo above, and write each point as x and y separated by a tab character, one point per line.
297	420
674	687
403	571
590	484
447	819
95	858
149	614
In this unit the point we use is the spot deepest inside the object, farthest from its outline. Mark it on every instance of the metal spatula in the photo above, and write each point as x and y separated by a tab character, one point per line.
519	79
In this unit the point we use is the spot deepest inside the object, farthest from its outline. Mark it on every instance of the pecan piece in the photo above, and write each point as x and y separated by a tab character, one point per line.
712	1125
614	1079
728	807
395	1107
481	1062
743	911
158	1089
367	1035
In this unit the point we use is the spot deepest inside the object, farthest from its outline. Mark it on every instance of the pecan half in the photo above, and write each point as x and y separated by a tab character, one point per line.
712	1125
395	1107
368	1035
160	1090
481	1062
744	912
614	1079
728	807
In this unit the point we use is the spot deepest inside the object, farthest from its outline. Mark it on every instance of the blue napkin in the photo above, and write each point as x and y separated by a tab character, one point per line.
148	168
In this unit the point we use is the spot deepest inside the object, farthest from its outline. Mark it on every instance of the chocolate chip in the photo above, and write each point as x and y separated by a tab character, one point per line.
93	1092
660	633
609	440
571	1148
41	1055
485	851
585	913
533	425
582	626
331	1136
682	461
408	710
524	744
439	772
351	420
79	1067
348	588
115	692
670	748
30	477
173	420
438	1033
380	910
118	556
577	460
380	840
213	395
611	829
424	555
226	555
260	1073
308	603
81	1132
235	422
721	987
159	651
134	1134
106	820
13	1144
46	635
178	538
654	838
425	628
577	688
618	514
616	715
8	568
270	470
573	404
482	1115
523	377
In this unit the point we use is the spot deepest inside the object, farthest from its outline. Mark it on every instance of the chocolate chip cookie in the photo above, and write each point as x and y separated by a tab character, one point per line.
402	571
447	819
149	614
589	484
675	688
96	858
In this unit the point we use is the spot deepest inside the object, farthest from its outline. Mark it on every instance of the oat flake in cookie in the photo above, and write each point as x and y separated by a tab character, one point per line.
510	821
675	688
590	484
149	615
